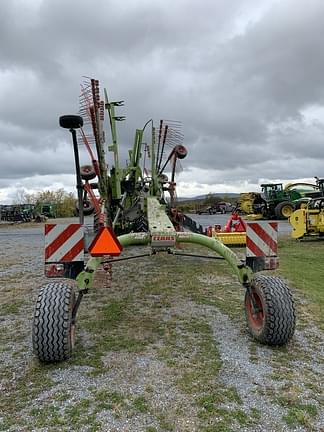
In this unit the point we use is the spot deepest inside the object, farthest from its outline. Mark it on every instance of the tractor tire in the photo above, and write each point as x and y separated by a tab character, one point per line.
284	210
53	328
87	172
274	321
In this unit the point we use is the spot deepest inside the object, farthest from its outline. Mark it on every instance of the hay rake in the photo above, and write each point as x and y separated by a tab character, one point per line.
130	207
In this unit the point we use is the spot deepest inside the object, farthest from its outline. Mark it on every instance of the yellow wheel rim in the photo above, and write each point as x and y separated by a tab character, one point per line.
286	211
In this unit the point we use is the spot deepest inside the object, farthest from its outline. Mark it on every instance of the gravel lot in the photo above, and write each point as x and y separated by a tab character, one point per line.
164	348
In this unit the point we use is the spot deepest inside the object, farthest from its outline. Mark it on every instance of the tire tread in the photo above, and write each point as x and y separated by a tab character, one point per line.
279	310
52	322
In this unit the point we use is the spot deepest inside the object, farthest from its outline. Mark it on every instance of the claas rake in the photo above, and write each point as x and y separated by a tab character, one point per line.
134	205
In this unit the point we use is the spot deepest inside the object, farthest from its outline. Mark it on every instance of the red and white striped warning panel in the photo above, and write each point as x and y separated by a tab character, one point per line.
64	243
261	239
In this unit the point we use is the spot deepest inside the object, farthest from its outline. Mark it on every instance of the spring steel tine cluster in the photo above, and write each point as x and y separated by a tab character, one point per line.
169	135
92	108
85	103
161	144
92	111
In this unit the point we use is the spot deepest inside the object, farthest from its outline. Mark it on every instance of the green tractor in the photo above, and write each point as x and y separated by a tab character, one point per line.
275	201
279	200
46	209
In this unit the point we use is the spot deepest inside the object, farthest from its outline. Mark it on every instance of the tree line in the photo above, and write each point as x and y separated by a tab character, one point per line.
63	201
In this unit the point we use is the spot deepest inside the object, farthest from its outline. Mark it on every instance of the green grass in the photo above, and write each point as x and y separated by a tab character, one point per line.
108	399
210	401
11	308
210	408
301	415
140	404
72	417
120	403
302	263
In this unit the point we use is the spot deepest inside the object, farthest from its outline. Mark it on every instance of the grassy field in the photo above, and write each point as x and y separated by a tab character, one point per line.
165	348
302	263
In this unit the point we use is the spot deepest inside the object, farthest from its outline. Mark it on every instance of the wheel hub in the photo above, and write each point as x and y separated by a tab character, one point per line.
255	311
286	211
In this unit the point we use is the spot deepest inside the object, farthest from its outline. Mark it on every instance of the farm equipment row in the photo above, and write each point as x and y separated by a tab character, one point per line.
135	205
276	201
27	212
16	213
219	207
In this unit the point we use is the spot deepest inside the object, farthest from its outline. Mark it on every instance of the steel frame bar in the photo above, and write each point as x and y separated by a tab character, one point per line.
243	272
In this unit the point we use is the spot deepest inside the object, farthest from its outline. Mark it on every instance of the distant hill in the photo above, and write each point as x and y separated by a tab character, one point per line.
203	197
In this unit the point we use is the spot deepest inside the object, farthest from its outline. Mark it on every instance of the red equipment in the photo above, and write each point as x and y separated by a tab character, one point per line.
234	224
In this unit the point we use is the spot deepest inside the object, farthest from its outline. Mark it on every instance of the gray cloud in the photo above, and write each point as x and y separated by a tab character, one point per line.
239	76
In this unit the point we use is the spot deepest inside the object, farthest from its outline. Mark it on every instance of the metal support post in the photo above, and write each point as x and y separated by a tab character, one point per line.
78	175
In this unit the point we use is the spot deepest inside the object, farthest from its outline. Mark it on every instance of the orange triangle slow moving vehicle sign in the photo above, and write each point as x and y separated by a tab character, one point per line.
105	243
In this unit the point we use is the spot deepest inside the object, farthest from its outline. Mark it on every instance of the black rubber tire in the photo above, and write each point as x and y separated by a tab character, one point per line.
88	207
87	172
71	121
274	324
53	329
279	209
180	151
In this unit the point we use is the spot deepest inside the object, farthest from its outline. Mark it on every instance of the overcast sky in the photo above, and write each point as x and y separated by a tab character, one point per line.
245	78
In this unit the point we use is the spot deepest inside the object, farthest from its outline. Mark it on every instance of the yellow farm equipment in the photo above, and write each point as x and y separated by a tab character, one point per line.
251	204
231	238
232	234
308	221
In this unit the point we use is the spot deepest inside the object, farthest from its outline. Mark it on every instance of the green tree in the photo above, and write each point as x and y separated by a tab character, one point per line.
63	201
